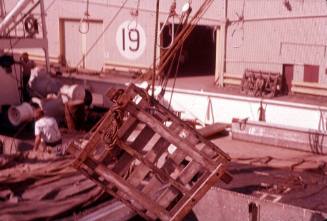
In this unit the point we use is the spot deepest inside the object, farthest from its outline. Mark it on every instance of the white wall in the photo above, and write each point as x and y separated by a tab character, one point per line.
223	108
270	36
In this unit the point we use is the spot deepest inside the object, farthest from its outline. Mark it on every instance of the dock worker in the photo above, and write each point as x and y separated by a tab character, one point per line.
47	132
26	66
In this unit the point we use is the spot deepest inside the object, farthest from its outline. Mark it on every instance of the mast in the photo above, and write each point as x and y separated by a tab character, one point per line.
155	49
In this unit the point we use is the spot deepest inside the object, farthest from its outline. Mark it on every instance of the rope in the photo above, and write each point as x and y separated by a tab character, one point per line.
175	77
134	13
172	14
316	140
83	19
102	33
111	135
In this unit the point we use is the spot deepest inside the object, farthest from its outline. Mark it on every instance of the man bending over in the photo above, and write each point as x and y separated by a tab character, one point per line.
47	132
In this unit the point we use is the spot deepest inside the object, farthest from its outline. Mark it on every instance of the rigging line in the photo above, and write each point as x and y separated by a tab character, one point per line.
84	20
172	14
165	80
50	5
166	56
185	33
102	33
155	49
175	77
134	13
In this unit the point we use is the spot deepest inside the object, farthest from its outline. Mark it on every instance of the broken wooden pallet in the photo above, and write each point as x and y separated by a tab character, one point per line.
145	156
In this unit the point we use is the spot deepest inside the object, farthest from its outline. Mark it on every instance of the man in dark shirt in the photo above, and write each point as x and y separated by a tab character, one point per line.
26	66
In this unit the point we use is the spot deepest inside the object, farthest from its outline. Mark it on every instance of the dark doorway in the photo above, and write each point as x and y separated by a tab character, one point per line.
288	72
198	56
311	73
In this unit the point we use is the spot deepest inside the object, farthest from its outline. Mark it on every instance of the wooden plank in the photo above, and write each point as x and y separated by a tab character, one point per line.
159	148
41	191
179	124
96	137
232	81
127	127
167	197
212	129
108	188
138	174
124	131
35	210
189	172
124	164
131	191
141	170
186	204
176	140
143	138
146	162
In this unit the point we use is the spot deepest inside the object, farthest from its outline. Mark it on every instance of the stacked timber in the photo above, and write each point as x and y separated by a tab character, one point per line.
43	187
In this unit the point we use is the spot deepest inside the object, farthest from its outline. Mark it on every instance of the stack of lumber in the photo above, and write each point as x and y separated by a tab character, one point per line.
42	186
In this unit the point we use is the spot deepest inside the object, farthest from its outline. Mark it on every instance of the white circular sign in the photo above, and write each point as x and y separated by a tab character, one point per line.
130	40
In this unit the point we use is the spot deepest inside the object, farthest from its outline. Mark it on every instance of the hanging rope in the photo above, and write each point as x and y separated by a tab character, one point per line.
101	34
134	13
172	14
85	21
209	112
110	136
181	37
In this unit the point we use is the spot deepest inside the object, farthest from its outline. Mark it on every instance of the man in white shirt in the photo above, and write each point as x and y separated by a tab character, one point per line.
46	130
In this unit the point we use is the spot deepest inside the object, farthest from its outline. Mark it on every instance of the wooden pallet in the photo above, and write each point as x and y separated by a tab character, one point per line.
145	156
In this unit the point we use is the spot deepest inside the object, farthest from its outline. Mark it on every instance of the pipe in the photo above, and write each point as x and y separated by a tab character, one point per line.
279	18
72	92
21	113
41	84
53	107
11	16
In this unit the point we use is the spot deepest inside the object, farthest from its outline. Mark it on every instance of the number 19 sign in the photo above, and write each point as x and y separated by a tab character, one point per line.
130	40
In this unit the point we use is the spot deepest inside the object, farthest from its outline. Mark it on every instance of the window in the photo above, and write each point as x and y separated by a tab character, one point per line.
311	73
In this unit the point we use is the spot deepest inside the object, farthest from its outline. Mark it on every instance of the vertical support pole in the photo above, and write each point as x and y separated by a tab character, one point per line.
218	54
45	36
2	9
222	52
155	49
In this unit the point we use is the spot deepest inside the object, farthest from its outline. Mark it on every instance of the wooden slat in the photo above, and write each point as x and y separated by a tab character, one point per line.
145	161
184	205
131	191
167	197
124	164
188	172
177	141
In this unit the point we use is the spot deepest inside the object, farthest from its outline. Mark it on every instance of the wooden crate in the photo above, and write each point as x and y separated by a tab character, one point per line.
145	156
